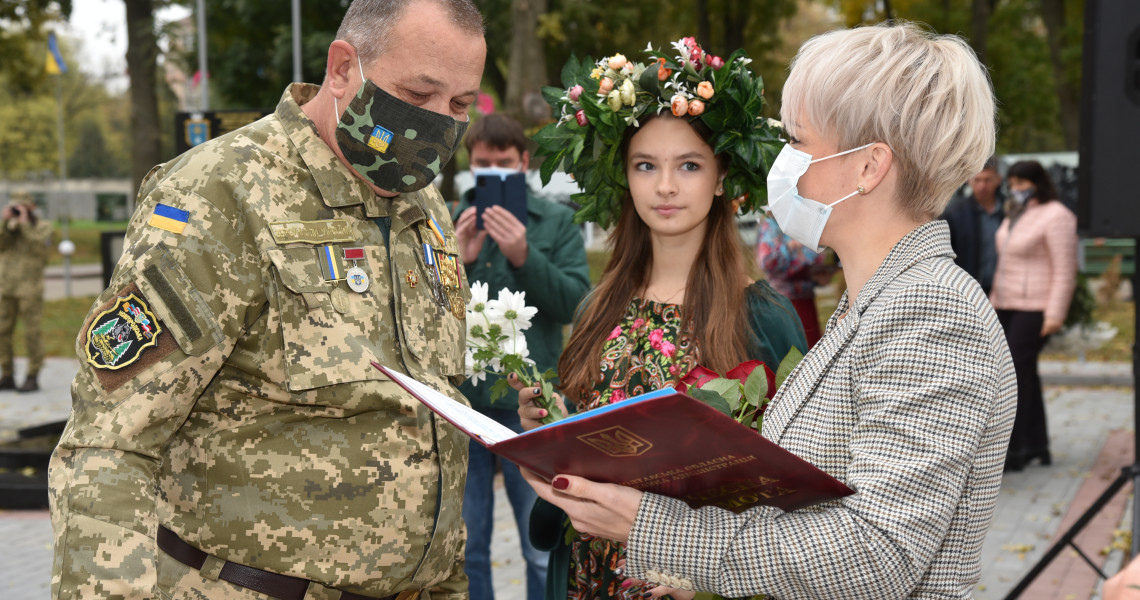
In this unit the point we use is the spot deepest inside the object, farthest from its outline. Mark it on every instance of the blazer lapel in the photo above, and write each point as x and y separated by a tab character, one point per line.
805	378
925	241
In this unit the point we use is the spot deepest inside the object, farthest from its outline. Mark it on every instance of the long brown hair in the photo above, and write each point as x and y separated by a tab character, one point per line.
714	309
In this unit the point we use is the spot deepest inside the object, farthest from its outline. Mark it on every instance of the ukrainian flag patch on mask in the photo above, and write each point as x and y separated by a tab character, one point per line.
169	218
380	139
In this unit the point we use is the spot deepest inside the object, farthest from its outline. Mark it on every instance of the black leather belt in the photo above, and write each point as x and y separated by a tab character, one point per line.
272	584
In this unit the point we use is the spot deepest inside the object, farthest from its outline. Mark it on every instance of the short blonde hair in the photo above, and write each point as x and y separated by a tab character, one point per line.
924	95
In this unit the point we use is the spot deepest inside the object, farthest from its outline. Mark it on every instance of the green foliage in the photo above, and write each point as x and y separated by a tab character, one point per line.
23	40
250	47
788	364
1083	305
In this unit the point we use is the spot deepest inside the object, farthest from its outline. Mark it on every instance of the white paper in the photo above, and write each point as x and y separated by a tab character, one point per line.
462	416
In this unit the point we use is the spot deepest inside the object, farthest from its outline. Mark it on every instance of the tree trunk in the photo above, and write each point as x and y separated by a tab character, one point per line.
142	64
1068	94
979	28
704	27
527	71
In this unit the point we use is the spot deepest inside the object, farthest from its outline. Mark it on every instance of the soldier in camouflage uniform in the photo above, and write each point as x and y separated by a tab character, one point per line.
229	438
25	240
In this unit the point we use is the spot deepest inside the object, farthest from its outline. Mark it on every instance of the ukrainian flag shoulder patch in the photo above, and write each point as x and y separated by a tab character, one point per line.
169	218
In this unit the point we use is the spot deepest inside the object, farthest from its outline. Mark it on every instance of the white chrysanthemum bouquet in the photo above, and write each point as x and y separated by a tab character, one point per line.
496	344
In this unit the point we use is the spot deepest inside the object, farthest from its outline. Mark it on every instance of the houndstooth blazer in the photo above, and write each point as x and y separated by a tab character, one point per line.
909	400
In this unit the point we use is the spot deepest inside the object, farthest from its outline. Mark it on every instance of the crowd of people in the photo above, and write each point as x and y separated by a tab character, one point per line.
229	440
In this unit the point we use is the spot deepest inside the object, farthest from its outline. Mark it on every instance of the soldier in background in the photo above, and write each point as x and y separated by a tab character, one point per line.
25	240
229	438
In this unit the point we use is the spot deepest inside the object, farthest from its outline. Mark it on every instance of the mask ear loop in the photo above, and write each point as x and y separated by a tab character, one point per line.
360	66
844	152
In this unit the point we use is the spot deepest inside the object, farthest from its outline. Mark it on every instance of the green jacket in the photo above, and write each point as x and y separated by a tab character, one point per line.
555	277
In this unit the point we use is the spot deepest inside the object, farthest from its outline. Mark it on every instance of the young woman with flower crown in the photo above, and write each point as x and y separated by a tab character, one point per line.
676	291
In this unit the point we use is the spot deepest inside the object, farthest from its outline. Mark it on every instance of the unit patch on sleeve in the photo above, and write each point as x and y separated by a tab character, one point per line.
117	336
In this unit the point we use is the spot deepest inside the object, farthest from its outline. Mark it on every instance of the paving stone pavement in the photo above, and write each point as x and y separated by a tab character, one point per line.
1029	509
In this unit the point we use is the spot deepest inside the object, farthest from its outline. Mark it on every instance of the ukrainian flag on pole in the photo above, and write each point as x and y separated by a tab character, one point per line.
55	64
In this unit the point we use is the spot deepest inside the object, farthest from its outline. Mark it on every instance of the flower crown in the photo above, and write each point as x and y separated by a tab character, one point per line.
602	99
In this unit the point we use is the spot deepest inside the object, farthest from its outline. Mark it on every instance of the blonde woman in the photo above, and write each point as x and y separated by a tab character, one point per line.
909	396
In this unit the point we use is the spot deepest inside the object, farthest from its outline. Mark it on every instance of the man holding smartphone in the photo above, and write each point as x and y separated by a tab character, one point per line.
546	258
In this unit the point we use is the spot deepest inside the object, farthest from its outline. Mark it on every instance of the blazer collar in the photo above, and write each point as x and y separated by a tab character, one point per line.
924	242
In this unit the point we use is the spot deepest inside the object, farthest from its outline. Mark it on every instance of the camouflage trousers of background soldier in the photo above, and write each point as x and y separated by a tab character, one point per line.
30	312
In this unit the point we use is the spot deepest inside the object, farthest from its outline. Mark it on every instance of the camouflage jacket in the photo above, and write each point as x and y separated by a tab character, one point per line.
23	255
225	390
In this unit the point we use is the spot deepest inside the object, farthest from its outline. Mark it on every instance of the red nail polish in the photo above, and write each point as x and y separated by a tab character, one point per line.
626	583
560	483
542	412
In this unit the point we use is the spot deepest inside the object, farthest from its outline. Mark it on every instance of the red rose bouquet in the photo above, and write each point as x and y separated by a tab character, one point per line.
744	391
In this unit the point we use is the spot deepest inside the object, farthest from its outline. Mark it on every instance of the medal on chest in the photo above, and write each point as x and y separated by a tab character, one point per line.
356	277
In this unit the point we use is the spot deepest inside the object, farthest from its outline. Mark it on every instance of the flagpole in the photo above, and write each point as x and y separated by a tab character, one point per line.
297	40
203	78
66	220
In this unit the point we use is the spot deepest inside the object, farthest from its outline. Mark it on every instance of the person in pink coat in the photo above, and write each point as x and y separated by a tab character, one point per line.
1033	284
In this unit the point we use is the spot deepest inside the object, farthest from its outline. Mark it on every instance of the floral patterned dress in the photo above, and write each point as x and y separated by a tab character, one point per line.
645	352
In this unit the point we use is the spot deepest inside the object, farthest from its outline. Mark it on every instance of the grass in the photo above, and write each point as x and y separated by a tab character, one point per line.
85	234
61	323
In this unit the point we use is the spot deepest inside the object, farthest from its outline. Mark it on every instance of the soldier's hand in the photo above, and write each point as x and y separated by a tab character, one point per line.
9	212
508	232
470	240
529	413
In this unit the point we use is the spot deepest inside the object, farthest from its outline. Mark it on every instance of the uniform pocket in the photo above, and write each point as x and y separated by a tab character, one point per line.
330	334
434	335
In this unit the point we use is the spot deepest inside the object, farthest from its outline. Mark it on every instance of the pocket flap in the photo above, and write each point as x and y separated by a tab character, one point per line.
299	269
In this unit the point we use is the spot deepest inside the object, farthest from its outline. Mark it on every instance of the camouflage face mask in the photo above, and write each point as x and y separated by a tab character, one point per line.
392	144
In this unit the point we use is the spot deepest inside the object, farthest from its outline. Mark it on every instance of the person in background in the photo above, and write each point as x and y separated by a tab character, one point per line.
908	398
25	241
794	271
546	259
974	221
1033	286
228	437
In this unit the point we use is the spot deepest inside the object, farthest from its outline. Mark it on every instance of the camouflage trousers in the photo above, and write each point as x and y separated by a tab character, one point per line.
30	311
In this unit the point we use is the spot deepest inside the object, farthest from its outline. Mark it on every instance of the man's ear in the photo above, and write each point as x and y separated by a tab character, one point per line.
525	160
876	166
341	71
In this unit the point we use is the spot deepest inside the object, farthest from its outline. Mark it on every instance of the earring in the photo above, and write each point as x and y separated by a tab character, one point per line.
720	190
861	190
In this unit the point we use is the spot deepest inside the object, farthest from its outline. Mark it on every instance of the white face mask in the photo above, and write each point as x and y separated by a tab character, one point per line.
802	219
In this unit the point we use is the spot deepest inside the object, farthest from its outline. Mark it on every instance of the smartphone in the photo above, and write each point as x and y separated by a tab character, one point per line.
506	190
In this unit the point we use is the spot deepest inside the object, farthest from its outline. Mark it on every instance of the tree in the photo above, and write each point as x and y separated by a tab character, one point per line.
527	60
1064	20
23	38
250	48
142	64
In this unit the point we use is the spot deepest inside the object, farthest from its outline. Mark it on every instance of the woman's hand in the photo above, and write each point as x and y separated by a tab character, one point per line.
1050	327
601	509
529	412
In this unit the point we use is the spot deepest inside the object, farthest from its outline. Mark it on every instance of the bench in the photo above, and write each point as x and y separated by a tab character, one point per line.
1095	254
